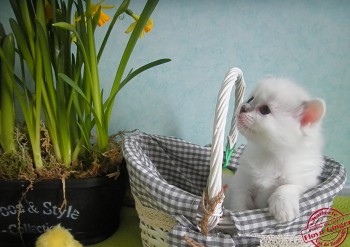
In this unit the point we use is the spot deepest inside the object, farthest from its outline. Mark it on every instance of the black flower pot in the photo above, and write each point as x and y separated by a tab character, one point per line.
91	213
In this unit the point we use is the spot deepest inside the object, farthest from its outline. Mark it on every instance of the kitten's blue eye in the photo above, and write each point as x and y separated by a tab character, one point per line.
264	109
250	100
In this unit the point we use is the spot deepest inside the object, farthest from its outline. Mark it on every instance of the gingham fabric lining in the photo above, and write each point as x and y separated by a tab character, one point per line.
170	174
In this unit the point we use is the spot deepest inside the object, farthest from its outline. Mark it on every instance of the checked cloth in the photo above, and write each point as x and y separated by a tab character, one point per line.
169	174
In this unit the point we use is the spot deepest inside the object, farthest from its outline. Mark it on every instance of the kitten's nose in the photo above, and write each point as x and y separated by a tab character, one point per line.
245	108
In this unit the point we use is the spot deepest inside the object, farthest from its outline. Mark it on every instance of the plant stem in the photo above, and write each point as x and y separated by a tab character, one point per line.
7	92
123	7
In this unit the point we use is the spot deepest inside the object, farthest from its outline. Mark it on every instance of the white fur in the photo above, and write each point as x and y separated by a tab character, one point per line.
283	155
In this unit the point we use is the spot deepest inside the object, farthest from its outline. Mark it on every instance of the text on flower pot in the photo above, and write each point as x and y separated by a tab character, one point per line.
47	208
68	212
46	212
28	228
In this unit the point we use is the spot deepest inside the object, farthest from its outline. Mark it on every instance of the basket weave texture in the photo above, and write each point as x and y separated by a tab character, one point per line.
168	175
176	183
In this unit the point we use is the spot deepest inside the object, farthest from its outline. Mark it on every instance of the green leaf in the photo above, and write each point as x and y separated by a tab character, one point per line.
134	73
130	76
70	82
124	6
27	25
23	45
145	15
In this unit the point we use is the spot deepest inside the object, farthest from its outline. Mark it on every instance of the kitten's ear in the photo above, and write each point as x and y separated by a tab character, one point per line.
313	112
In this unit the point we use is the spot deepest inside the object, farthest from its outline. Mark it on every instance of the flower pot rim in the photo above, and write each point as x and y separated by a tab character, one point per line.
70	182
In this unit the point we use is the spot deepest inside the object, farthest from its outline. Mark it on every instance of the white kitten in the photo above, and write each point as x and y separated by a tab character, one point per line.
283	155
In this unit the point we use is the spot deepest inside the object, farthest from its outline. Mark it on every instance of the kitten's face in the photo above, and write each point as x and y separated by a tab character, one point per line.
273	114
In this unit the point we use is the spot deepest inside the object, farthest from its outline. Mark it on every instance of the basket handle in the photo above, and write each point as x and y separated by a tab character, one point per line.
233	77
214	184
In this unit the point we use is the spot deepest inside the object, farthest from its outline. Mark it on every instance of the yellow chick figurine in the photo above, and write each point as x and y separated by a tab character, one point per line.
57	237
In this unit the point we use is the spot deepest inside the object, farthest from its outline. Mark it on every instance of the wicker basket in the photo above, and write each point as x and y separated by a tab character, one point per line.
168	177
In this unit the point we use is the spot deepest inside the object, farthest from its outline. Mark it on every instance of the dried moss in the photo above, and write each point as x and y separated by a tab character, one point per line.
19	165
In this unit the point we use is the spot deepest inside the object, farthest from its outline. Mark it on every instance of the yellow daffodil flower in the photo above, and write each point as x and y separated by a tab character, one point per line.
148	27
94	8
103	16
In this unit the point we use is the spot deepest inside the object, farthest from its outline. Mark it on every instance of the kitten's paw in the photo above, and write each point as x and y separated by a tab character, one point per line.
283	207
